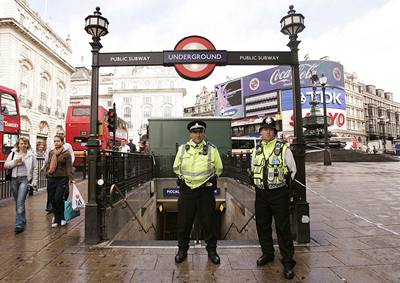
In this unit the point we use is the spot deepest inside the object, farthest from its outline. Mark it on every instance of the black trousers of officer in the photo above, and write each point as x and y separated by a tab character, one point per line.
202	201
274	203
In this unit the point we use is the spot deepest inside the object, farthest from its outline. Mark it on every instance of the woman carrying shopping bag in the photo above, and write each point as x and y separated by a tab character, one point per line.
59	175
23	164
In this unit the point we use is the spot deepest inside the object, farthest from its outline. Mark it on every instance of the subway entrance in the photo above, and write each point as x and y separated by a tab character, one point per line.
155	222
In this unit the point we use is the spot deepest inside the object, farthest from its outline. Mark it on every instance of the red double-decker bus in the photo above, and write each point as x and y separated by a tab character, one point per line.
78	130
10	120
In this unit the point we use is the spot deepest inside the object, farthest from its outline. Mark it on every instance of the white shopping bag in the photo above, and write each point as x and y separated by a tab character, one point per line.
77	199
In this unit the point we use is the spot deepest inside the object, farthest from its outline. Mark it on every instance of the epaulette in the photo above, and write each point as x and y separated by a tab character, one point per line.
211	144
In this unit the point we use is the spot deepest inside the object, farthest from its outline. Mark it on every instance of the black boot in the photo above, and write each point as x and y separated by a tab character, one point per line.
288	273
264	259
180	256
214	257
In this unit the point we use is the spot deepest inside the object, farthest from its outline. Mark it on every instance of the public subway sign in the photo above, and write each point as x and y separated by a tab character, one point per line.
195	57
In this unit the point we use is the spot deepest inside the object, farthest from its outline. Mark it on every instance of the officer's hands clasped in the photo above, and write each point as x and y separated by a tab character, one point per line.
180	181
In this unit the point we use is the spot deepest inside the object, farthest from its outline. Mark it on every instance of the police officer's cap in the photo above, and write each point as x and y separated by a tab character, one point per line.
196	125
268	123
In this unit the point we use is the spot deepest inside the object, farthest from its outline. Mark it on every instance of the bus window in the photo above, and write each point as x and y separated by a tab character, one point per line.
8	105
9	140
81	111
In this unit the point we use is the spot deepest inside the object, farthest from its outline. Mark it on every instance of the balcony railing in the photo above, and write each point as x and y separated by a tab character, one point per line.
44	109
25	102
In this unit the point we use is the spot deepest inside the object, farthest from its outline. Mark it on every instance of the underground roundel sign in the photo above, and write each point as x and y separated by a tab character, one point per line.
194	72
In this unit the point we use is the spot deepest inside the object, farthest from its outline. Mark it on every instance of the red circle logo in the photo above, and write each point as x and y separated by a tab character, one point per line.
194	72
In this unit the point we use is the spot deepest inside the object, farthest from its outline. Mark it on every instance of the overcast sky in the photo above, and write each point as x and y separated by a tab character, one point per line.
361	34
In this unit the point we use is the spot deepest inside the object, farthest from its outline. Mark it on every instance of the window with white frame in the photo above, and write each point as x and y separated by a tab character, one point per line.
26	75
44	89
128	100
167	111
146	112
60	96
147	100
127	113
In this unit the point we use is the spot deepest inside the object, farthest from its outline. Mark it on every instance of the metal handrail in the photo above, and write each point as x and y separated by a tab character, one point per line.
114	186
233	225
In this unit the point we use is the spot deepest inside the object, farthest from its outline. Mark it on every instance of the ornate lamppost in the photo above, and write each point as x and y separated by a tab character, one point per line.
292	24
327	154
96	26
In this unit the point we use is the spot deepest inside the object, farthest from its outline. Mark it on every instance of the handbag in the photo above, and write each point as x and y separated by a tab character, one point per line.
9	171
77	199
70	213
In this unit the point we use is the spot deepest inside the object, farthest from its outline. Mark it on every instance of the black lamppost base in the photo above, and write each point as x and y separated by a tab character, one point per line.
327	157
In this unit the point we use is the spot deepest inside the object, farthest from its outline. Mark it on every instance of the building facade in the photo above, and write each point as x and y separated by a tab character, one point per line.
138	92
34	61
380	122
204	105
358	112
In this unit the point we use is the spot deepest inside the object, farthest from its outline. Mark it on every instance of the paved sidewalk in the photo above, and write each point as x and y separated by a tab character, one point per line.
355	227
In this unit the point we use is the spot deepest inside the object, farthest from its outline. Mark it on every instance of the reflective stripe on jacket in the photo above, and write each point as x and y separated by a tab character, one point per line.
269	169
197	163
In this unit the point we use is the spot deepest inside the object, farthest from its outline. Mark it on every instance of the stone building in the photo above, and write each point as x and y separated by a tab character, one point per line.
35	61
204	105
139	93
380	118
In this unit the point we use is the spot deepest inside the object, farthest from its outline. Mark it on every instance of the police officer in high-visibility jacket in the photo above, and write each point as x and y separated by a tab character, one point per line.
197	165
272	165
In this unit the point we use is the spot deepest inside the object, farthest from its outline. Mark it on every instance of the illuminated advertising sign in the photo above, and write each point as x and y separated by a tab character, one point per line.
281	77
335	104
228	100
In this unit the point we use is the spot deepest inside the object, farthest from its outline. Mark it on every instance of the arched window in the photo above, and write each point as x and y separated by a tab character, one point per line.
60	98
44	91
167	111
127	113
146	112
26	80
25	125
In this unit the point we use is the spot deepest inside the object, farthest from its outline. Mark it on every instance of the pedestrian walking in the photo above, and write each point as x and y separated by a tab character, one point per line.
132	146
67	147
59	175
23	163
197	165
272	165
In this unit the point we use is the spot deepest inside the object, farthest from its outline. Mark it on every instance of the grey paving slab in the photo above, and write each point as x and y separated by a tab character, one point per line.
354	221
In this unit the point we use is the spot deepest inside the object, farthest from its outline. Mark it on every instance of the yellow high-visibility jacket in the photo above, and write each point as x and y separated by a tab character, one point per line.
196	163
269	164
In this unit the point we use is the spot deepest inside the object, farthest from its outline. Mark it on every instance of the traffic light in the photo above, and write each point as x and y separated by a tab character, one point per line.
112	120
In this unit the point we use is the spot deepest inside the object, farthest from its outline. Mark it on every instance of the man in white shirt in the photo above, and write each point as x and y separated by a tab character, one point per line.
124	147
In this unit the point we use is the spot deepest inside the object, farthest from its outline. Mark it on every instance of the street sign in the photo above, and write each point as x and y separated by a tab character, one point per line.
260	58
131	59
218	57
197	71
195	58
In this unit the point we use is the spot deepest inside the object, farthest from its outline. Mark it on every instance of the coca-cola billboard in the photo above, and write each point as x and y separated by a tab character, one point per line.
281	77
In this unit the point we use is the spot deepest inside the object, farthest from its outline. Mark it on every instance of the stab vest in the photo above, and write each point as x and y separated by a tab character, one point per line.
269	167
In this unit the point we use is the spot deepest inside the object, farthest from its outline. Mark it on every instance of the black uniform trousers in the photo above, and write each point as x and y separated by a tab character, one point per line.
202	201
274	203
